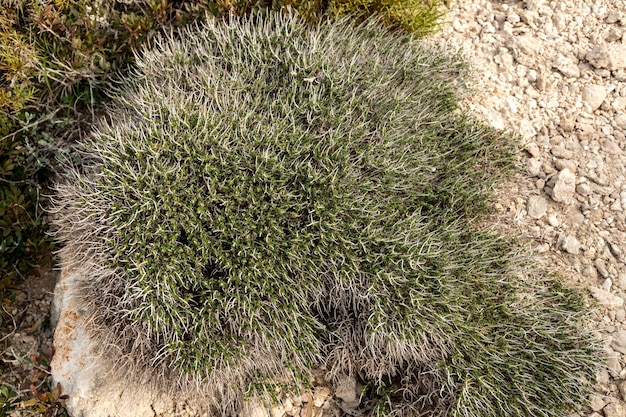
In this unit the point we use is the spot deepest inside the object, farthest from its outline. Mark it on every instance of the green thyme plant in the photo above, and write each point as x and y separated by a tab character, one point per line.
266	197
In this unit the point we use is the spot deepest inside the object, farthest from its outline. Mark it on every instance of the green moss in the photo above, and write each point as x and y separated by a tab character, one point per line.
266	198
420	17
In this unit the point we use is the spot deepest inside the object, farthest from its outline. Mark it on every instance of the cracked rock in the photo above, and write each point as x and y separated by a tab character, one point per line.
561	186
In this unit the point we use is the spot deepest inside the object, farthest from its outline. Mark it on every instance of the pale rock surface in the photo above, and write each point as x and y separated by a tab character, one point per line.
537	206
596	402
619	103
566	66
321	395
622	389
614	365
534	167
610	56
614	409
561	187
89	379
600	265
570	245
594	95
348	390
533	149
256	410
610	146
583	189
606	298
619	341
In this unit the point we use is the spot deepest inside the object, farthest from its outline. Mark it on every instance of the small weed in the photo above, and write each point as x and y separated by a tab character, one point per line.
8	400
40	398
49	403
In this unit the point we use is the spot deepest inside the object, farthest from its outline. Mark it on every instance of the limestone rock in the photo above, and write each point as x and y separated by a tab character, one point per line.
606	299
596	402
534	167
619	341
613	35
277	411
619	103
528	16
583	189
614	409
610	56
561	152
622	389
349	391
533	149
615	250
255	410
611	147
561	187
570	245
594	95
590	271
601	267
620	75
614	365
527	44
613	17
561	164
94	385
536	206
566	66
320	395
553	220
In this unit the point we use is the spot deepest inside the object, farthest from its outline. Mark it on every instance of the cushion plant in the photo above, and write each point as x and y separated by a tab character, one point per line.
265	198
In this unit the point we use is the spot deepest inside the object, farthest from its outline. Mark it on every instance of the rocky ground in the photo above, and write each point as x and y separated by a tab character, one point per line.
554	71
